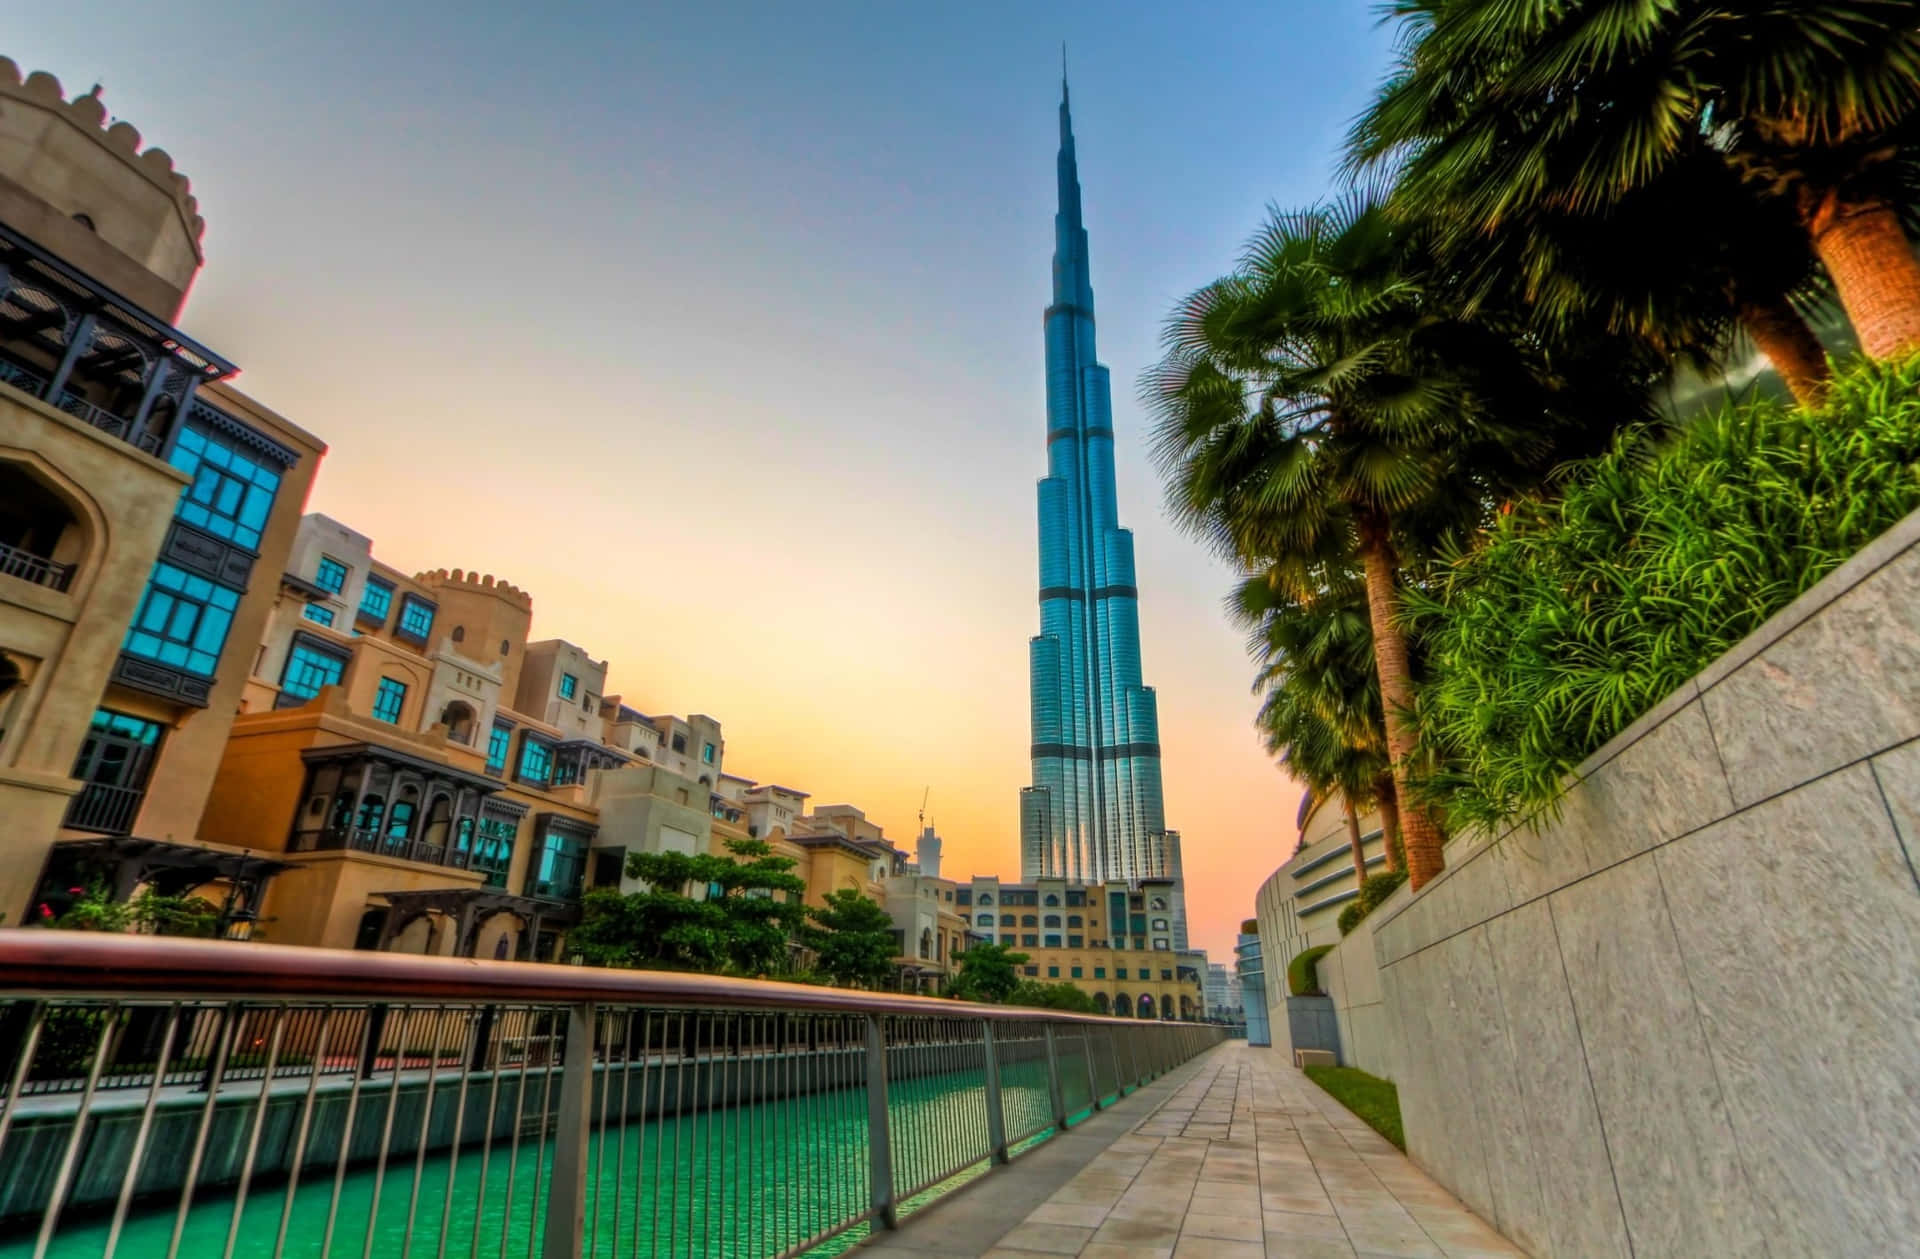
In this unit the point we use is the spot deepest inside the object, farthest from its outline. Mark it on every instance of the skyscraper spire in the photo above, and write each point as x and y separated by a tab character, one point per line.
1094	811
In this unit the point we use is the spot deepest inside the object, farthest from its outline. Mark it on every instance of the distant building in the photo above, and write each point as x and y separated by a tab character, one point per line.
146	511
1112	941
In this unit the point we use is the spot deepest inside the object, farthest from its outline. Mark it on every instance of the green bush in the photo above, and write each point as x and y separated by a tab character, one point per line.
1578	614
1375	889
1301	980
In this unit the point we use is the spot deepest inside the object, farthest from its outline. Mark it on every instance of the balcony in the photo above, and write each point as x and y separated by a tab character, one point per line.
37	569
105	809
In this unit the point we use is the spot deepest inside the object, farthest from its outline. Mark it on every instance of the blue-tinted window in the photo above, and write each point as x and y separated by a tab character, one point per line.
416	618
376	599
497	749
231	494
536	761
493	856
319	614
388	699
183	621
331	575
308	670
568	685
559	869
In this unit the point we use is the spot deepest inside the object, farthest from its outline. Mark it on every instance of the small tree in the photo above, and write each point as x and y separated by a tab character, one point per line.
853	939
1054	996
748	912
988	972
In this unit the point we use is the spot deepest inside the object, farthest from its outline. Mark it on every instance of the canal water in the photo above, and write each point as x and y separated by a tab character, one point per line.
737	1183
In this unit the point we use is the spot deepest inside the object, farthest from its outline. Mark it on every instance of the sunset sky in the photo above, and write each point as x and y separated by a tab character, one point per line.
717	328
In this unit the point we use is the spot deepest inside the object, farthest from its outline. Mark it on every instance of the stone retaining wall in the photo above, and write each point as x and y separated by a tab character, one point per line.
1683	1019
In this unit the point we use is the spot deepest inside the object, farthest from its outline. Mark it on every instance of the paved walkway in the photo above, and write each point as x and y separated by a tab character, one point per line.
1243	1157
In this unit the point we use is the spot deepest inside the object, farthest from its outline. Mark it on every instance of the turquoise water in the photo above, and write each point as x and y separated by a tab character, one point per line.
749	1181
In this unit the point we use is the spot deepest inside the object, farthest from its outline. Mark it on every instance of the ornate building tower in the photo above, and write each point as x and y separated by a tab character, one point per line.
1094	811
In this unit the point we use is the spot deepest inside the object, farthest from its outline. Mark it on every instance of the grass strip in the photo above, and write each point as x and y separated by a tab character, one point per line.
1375	1100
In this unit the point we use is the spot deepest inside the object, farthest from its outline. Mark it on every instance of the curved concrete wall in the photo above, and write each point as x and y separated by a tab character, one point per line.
1683	1018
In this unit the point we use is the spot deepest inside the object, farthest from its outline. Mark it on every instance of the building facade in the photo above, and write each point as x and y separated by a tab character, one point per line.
1094	811
146	510
1114	941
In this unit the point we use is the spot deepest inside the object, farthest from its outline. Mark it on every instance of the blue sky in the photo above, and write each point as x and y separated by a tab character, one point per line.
718	328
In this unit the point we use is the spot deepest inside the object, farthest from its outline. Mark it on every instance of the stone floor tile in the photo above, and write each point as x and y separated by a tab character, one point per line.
1240	1228
1099	1250
1302	1224
1139	1232
1046	1239
1077	1214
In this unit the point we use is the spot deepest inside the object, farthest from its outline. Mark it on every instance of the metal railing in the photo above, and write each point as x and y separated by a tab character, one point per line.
169	1097
37	569
105	808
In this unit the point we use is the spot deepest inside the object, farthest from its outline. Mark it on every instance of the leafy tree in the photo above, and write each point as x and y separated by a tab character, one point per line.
988	972
1328	407
853	940
1052	996
747	910
1321	714
1500	111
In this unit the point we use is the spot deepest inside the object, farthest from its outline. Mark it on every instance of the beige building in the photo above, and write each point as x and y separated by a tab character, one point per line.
1112	941
1298	907
146	508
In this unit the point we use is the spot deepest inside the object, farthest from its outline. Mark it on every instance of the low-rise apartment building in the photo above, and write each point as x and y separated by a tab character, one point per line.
146	509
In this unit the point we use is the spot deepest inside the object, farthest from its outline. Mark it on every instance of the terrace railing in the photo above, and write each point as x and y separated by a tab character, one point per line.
169	1097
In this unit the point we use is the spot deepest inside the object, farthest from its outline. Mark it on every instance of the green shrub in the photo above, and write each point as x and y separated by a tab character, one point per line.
1375	889
1578	614
1301	979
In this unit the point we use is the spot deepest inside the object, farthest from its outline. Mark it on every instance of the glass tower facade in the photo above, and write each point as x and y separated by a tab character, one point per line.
1094	811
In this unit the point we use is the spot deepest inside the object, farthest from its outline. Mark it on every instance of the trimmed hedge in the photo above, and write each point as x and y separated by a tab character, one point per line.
1577	614
1301	979
1376	889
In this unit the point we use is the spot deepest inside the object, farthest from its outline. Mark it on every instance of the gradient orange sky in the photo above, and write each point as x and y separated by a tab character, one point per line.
720	333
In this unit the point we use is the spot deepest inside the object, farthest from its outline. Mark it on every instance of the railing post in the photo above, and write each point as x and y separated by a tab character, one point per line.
879	1143
996	1118
1055	1094
567	1190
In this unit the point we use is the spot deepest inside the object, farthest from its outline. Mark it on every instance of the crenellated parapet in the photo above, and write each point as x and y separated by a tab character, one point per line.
88	115
459	579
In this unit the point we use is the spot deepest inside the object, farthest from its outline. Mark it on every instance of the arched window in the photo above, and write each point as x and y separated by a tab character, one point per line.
1146	1005
457	717
459	634
439	821
1123	1005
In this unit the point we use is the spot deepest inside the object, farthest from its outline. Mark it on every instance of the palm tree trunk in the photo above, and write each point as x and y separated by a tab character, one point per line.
1353	838
1872	265
1422	835
1789	344
1388	802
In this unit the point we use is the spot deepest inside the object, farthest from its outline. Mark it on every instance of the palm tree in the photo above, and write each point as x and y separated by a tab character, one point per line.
1321	713
1501	110
1299	414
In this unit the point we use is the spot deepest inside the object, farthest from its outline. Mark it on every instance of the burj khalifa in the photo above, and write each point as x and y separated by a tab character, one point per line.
1094	812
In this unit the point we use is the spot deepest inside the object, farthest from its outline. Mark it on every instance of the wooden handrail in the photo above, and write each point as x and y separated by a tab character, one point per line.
40	962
